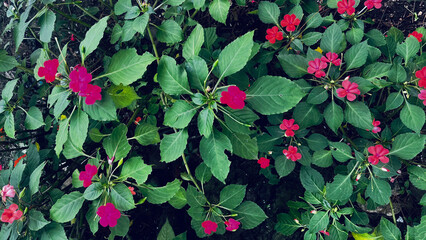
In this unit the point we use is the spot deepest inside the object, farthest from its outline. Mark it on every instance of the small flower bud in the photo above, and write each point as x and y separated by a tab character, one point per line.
269	152
398	171
358	177
384	169
110	160
314	211
392	180
347	78
297	221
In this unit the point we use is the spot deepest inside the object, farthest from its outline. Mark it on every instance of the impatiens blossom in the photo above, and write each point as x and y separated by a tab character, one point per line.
137	120
132	190
72	37
316	66
86	176
49	70
92	93
417	35
379	153
325	232
264	162
346	6
7	191
422	96
109	215
232	225
273	34
349	90
234	97
290	22
376	127
331	57
373	3
18	160
292	153
80	78
289	126
209	226
422	75
11	214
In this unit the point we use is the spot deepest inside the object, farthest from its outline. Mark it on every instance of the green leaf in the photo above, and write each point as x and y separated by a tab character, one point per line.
322	158
194	43
36	220
197	71
127	66
194	197
295	66
93	37
9	125
286	224
376	71
169	32
76	183
306	115
61	136
20	29
268	12
93	191
341	151
166	232
408	49
159	195
389	230
7	92
212	152
413	117
47	24
127	32
7	62
317	142
332	39
203	173
53	231
236	54
340	189
354	35
417	177
397	73
79	123
172	78
179	201
122	227
379	191
117	31
173	145
314	20
35	178
358	114
122	96
284	166
318	222
198	3
146	134
317	96
243	145
356	56
122	6
271	95
34	118
219	9
175	2
333	115
407	145
232	195
180	114
311	179
140	23
67	207
393	101
375	38
136	169
308	39
117	145
92	218
251	215
122	198
205	122
103	110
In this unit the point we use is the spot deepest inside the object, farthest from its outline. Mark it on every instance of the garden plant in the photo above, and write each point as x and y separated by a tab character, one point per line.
170	120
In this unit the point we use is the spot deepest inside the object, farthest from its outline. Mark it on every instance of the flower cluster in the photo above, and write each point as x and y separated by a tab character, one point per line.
349	90
289	22
210	226
234	97
86	176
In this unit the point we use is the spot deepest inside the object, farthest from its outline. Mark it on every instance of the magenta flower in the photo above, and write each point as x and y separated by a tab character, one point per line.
373	3
331	57
264	162
289	126
80	78
92	93
376	127
379	153
109	215
49	70
7	191
86	176
232	225
209	226
422	75
346	6
349	90
234	97
422	96
316	66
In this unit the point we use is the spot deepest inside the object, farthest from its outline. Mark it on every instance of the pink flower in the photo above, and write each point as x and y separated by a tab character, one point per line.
416	35
376	127
264	162
108	214
290	22
232	225
316	66
11	214
92	93
49	70
289	126
80	78
7	191
273	34
331	57
234	97
209	226
325	232
422	75
292	153
72	38
373	3
422	96
86	176
349	90
346	6
379	153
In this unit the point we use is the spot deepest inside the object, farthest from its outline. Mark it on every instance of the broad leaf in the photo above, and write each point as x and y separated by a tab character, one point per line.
169	32
219	9
307	115
136	169
122	198
295	66
7	92
232	195
194	42
251	215
173	145
389	230
79	123
284	166
7	62
93	37
408	49
122	96
318	222
413	117
358	114
393	101
417	177
67	207
36	220
93	191
379	191
159	195
35	178
180	114
205	122
103	110
117	145
268	12
356	56
311	179
47	24
286	224
147	134
407	145
333	115
34	118
172	78
332	39
340	189
53	231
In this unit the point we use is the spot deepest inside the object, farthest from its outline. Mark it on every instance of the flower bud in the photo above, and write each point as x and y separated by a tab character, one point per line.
384	169
297	221
358	177
314	211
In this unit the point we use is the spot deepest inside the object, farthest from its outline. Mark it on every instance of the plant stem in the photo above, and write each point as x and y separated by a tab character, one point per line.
153	44
393	212
68	16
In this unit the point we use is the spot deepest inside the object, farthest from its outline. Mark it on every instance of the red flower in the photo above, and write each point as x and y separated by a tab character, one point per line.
209	226
92	93
137	120
72	37
19	159
331	57
7	191
290	22
316	66
234	97
273	34
422	96
346	6
292	153
49	70
132	190
86	176
379	153
325	232
108	214
376	127
422	75
264	162
232	224
80	79
416	35
349	90
11	214
289	126
373	3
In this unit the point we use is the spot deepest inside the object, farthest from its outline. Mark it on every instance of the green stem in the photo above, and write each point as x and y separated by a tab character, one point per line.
153	44
86	12
393	212
68	16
